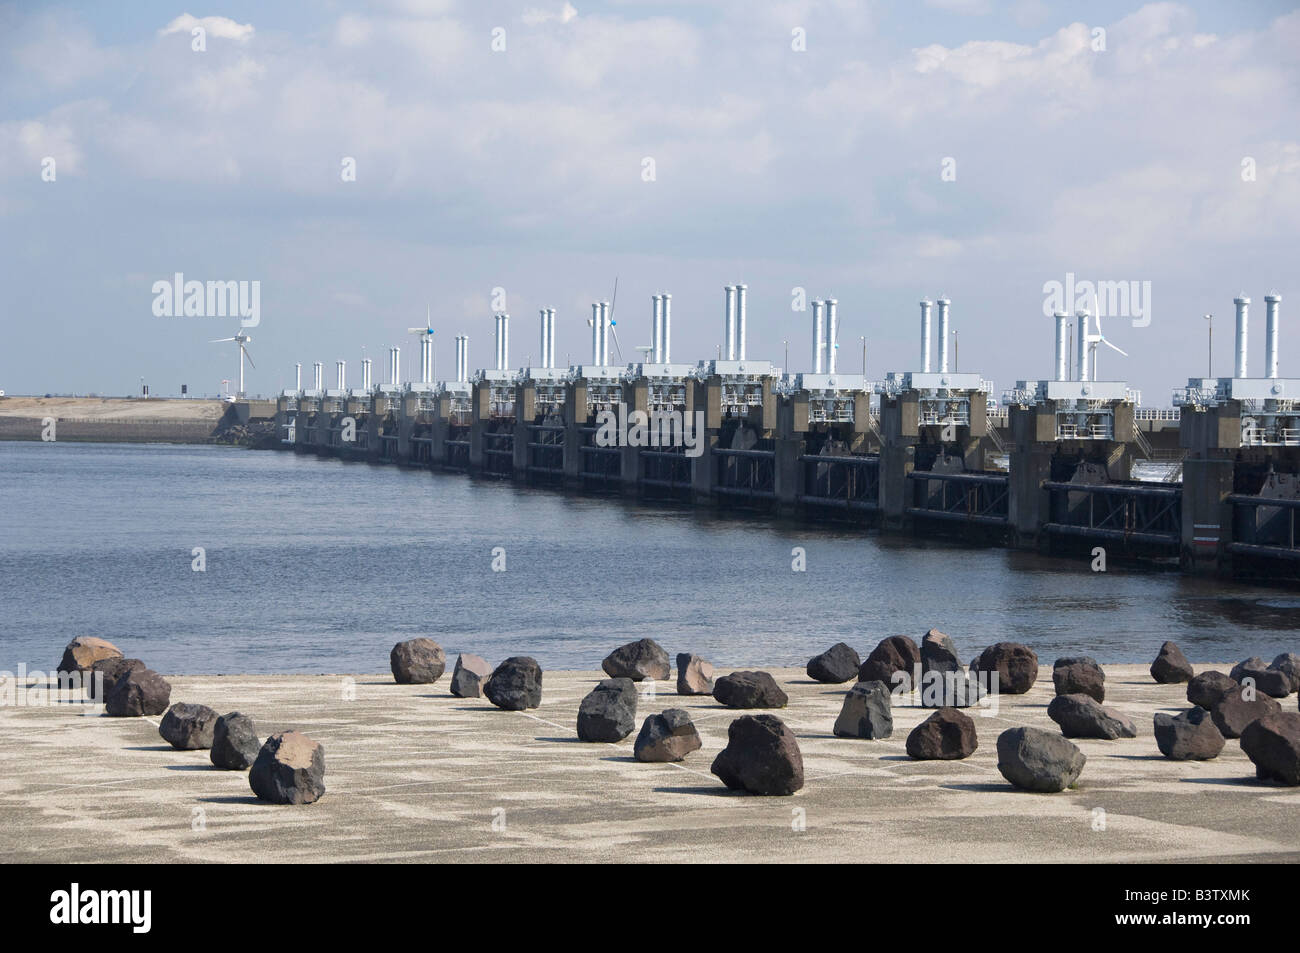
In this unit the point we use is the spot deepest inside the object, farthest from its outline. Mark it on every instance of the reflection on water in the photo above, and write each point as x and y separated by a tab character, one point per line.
319	566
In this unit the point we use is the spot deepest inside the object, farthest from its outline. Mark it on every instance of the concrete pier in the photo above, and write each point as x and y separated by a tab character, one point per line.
414	774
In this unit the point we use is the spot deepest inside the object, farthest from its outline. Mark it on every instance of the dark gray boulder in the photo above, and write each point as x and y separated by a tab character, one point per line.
1238	708
838	664
468	676
608	713
1079	675
749	690
417	661
1273	744
897	653
1269	681
188	727
866	712
1288	663
290	769
1188	736
642	659
761	756
235	744
110	670
947	735
1171	666
951	689
1080	716
139	692
938	653
1015	664
515	684
1206	689
667	736
694	675
1036	760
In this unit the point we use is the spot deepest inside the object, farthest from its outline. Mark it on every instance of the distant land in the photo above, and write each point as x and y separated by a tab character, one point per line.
133	420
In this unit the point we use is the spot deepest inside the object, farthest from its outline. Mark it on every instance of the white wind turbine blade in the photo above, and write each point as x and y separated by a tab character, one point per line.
249	356
222	340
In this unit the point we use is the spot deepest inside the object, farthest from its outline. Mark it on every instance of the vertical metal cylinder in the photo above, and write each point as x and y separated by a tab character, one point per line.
297	377
1082	345
740	322
1062	359
818	338
604	333
1243	320
925	335
365	374
832	331
595	332
942	304
729	341
1272	305
505	342
342	374
666	338
656	328
542	339
318	375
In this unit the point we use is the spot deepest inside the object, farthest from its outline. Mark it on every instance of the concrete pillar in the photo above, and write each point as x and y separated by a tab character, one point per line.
575	416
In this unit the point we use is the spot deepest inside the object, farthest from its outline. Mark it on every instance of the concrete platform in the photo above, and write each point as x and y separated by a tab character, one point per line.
414	774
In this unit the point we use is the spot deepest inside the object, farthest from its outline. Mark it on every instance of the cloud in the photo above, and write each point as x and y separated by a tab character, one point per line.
222	28
534	16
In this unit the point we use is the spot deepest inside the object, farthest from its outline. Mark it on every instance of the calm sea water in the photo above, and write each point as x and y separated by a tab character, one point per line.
320	566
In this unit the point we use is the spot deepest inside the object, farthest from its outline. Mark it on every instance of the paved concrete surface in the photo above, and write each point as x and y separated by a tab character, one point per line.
414	774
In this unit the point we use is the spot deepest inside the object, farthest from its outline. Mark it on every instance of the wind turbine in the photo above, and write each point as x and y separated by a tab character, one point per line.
426	346
1095	339
241	339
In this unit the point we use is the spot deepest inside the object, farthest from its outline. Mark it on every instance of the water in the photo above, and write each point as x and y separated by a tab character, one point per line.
316	565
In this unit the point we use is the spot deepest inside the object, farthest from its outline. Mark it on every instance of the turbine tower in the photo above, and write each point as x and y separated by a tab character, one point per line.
426	347
241	339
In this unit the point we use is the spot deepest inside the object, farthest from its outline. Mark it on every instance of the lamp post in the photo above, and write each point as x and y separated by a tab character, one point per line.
1209	346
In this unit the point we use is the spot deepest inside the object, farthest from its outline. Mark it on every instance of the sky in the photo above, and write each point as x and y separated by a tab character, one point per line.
876	153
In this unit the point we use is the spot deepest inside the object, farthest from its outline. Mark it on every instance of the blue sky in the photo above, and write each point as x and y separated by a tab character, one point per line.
523	169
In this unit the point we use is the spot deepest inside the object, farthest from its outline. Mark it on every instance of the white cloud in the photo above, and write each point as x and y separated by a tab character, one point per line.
222	28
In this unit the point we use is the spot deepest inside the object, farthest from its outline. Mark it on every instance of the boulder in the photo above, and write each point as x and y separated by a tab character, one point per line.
468	676
1269	681
838	664
947	735
866	712
1079	675
898	653
1206	689
111	669
84	651
235	744
1036	760
950	689
608	713
694	675
1288	663
417	662
1016	666
644	658
188	727
1273	744
1188	736
139	692
1080	716
749	690
667	736
1171	666
1234	711
761	756
515	684
938	653
290	769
